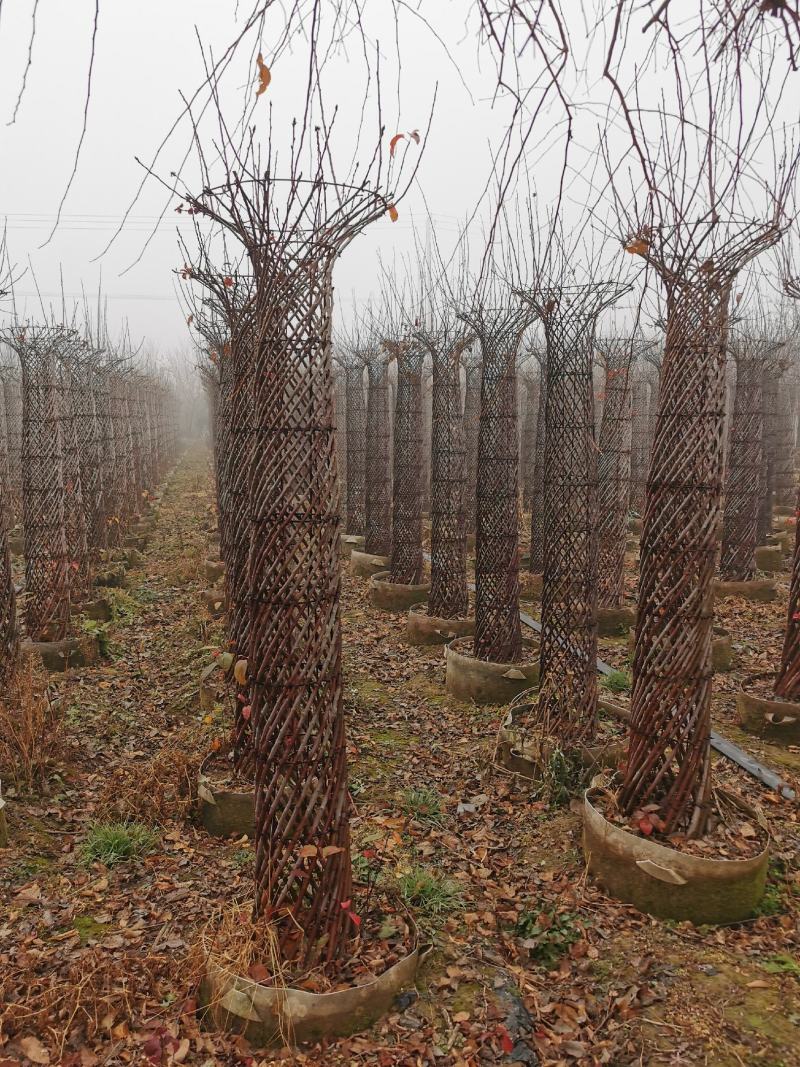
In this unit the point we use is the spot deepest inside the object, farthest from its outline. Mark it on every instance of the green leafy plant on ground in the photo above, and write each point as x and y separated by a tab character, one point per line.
423	804
616	682
547	934
114	842
427	892
100	630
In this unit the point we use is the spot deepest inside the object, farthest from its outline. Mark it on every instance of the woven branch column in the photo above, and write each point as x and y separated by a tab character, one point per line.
9	631
668	760
88	431
6	510
640	441
340	416
614	471
769	394
567	705
13	410
295	630
119	457
107	446
472	412
740	518
356	412
47	585
405	567
787	682
498	633
784	448
449	596
528	443
536	558
427	439
378	495
74	513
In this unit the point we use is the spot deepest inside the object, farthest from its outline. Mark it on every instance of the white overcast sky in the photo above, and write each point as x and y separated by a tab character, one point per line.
147	56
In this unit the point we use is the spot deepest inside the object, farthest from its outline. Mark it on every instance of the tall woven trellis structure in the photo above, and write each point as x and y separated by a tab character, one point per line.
745	461
85	379
668	757
769	448
340	417
378	491
567	705
614	469
449	595
472	412
294	655
71	350
531	383
356	416
787	680
47	582
12	400
640	439
784	448
498	633
536	557
406	564
9	630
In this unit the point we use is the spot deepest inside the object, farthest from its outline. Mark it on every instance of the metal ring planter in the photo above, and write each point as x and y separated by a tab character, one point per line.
769	559
395	596
774	720
667	883
424	629
350	543
615	622
759	590
364	564
268	1015
226	812
515	754
484	682
71	652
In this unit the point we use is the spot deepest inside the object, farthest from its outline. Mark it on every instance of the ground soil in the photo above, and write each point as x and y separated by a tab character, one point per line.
529	963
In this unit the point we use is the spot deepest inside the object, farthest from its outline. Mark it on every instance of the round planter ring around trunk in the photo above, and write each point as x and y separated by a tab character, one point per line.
615	622
425	629
758	590
348	543
395	596
483	682
769	559
774	720
514	754
365	564
70	653
667	883
276	1015
225	812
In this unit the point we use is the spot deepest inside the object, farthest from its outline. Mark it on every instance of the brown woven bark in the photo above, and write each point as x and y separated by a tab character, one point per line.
378	497
536	559
47	585
640	441
9	630
405	567
472	409
449	597
295	636
498	635
769	394
528	440
787	682
355	520
12	394
744	469
614	471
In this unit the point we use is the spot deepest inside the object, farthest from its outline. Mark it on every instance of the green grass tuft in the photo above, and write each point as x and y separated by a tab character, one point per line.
427	892
114	842
617	682
424	804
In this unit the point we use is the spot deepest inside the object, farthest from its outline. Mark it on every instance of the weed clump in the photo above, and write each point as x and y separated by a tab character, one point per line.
114	842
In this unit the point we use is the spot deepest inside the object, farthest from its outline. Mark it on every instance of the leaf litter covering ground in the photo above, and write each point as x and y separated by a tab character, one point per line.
530	962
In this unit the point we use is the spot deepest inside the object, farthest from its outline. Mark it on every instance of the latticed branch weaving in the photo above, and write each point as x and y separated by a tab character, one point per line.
378	506
614	470
405	567
472	411
787	682
640	441
356	447
536	558
449	597
745	460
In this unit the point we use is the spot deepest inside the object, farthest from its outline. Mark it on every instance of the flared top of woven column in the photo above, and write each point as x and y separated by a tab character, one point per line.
572	301
709	250
291	218
497	325
33	341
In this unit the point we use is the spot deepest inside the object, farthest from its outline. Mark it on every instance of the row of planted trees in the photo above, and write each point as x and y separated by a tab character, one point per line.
262	279
86	436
